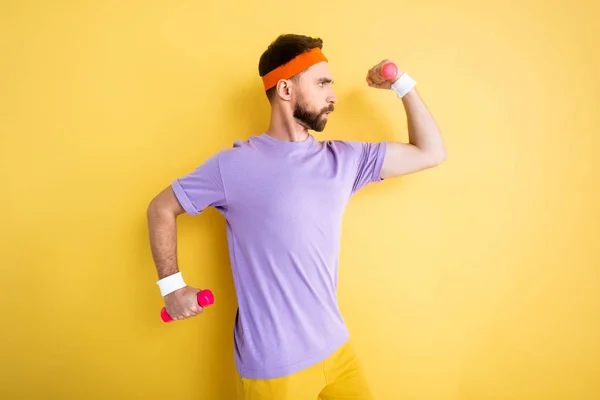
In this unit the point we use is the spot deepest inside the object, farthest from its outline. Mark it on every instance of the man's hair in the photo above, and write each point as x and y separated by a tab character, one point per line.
282	50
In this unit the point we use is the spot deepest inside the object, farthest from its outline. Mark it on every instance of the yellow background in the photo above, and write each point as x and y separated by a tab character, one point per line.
474	280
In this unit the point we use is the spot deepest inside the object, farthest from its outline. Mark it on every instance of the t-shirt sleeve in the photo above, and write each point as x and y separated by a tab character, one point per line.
201	188
367	161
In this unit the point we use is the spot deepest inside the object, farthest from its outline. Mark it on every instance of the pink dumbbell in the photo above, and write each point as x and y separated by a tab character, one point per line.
389	70
205	298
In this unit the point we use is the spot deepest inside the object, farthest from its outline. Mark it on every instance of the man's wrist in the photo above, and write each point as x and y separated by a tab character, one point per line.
403	85
171	283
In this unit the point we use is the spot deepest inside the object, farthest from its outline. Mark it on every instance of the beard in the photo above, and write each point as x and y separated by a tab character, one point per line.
312	119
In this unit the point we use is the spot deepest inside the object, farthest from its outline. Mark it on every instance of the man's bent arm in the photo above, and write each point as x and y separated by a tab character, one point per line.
426	147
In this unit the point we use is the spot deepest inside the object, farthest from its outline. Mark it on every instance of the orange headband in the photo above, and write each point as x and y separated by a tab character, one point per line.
293	67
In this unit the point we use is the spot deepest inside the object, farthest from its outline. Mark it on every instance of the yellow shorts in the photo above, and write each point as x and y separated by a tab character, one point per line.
340	376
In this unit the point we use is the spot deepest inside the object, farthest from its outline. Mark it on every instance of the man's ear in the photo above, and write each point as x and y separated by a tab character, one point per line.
284	89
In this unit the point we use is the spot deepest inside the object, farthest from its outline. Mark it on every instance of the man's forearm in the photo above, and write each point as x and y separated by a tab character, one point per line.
163	241
423	131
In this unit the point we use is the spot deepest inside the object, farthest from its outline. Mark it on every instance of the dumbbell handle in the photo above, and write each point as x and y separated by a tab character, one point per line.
205	298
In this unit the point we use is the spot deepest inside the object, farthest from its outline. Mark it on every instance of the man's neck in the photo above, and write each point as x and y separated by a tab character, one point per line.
285	127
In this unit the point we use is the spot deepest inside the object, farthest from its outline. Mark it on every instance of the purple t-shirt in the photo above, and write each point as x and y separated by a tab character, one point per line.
283	203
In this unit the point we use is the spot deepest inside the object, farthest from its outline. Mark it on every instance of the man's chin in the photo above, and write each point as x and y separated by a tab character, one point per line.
320	127
322	123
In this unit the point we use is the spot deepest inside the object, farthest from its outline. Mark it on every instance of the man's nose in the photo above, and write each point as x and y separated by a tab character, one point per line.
332	98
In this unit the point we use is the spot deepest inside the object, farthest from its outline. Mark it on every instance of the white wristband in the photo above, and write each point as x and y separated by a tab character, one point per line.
171	283
403	85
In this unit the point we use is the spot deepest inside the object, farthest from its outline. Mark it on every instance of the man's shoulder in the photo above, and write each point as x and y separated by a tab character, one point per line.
242	145
354	144
343	145
239	149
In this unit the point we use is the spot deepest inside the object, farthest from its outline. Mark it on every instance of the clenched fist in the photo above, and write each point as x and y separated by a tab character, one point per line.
375	78
183	303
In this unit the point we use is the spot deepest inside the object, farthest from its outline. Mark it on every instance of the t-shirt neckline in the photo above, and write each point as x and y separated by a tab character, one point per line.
288	144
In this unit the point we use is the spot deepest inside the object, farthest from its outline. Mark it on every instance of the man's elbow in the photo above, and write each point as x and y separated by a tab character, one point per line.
441	157
436	158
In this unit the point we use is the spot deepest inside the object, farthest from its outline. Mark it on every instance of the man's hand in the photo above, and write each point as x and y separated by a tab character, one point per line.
183	303
376	80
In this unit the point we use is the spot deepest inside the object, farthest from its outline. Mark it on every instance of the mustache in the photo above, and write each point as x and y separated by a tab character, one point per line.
330	109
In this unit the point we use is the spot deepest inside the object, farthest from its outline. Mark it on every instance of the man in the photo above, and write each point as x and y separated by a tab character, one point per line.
283	194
